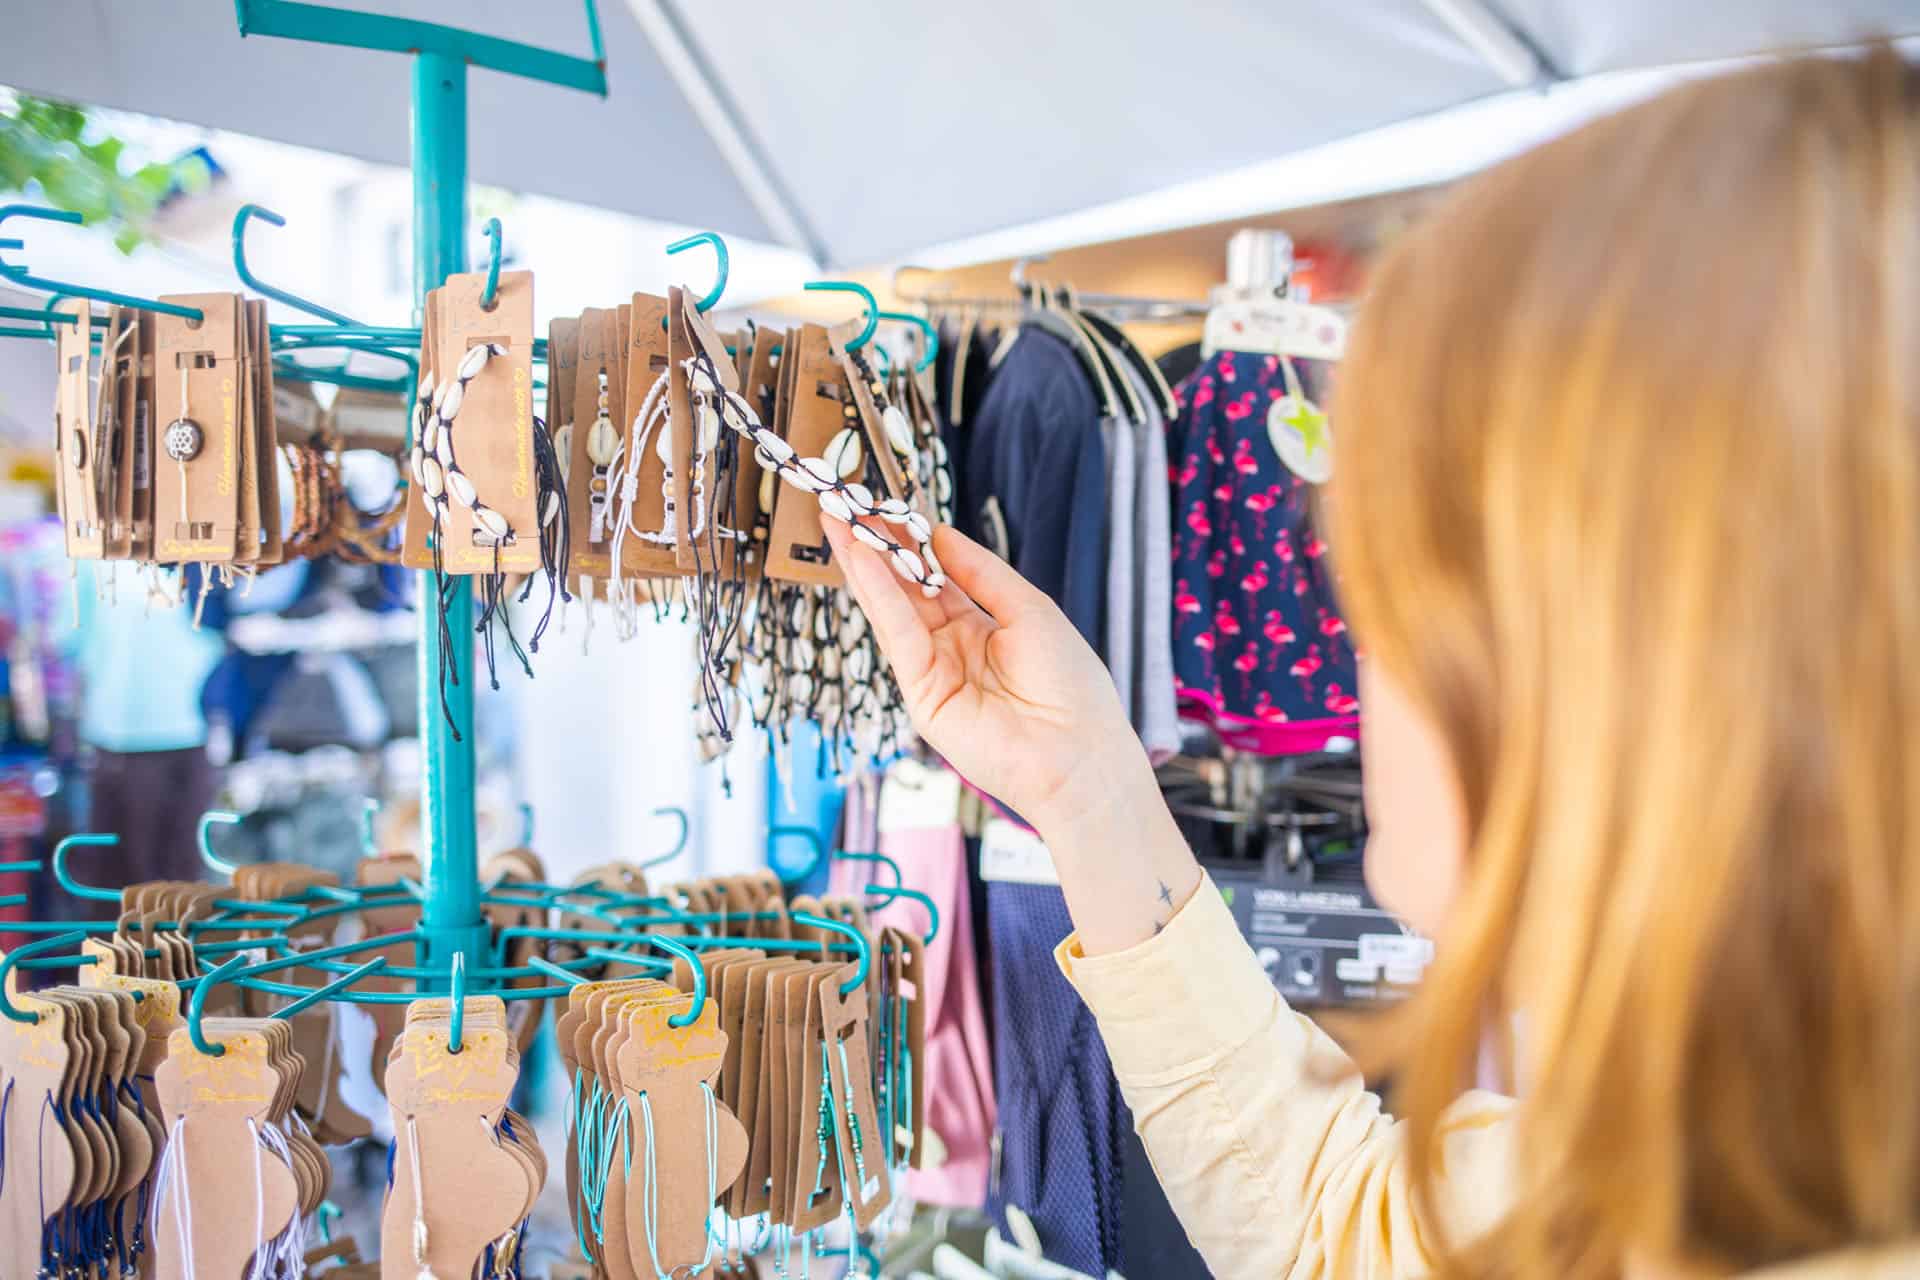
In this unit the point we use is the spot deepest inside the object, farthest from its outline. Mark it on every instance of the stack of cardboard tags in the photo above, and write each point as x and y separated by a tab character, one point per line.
82	1143
239	1181
466	1169
766	1100
166	438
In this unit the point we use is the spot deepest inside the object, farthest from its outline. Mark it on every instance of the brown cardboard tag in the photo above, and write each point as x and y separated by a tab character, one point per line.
141	445
765	1008
494	427
563	362
596	409
418	522
646	358
723	525
246	534
74	441
266	424
798	550
863	1169
123	353
818	1193
879	447
197	382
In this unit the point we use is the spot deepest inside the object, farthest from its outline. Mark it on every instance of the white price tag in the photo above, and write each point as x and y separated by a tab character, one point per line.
1014	855
1396	950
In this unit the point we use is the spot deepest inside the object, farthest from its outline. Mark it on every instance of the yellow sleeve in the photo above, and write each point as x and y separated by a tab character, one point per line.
1276	1159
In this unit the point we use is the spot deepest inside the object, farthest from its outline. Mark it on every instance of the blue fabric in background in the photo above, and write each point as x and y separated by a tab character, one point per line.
1061	1116
817	802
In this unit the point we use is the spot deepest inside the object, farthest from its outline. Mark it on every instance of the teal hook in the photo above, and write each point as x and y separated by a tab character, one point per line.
890	893
247	213
196	1007
853	935
707	303
676	812
368	848
327	1213
929	336
678	951
816	848
866	296
15	956
459	1001
526	825
213	860
67	882
490	294
318	994
20	276
553	970
880	859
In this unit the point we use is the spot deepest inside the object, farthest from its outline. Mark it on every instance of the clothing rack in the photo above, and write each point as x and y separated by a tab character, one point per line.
1117	306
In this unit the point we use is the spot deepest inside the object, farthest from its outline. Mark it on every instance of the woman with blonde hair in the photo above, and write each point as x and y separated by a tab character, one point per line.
1626	511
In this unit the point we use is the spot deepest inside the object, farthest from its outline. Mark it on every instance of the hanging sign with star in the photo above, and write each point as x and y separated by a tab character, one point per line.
1302	437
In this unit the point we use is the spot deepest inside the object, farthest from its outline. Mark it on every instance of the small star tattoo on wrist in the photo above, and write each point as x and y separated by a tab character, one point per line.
1166	894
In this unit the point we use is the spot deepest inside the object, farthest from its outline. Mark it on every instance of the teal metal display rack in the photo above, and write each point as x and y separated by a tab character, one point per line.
451	923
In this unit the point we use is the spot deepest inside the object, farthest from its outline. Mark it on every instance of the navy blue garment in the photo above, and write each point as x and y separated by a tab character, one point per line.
1062	1122
1036	486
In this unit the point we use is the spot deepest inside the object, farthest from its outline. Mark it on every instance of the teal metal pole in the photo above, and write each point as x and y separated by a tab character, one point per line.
451	923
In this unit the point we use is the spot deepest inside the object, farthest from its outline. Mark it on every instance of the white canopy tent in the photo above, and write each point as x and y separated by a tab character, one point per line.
864	133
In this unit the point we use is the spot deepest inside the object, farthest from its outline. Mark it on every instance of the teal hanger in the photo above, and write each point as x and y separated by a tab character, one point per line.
368	847
326	1214
526	825
213	860
20	276
18	954
490	294
679	845
890	893
721	269
812	838
246	214
866	296
930	338
859	978
459	1001
677	950
65	848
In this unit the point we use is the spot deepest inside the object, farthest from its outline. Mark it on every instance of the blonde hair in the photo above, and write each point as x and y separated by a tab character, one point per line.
1628	496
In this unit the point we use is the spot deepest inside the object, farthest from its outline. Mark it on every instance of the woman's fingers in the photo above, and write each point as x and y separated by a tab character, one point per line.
987	580
899	619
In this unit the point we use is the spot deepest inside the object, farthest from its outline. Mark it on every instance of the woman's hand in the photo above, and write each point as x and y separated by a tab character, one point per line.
999	682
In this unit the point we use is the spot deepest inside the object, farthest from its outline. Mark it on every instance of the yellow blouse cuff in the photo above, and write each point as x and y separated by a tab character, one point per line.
1181	998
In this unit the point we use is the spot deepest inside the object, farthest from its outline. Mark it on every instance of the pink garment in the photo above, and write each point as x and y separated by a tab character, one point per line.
957	1068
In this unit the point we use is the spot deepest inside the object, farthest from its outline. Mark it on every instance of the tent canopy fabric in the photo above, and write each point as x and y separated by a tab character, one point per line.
893	128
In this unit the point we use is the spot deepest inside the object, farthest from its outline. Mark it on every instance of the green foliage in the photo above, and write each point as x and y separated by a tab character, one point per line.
47	148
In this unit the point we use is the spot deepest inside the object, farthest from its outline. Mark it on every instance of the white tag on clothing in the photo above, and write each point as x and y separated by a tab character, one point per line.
1013	855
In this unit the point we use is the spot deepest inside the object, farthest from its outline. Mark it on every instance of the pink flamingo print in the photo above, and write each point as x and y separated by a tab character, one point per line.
1304	668
1224	622
1215	452
1203	393
1227	372
1276	629
1217	564
1224	494
1189	471
1235	545
1299	583
1198	522
1256	579
1243	460
1260	504
1184	601
1315	548
1204	641
1340	702
1283	547
1248	662
1330	626
1264	710
1240	409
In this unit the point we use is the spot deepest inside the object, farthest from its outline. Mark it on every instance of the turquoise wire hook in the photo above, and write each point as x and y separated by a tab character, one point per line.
526	825
880	858
551	969
246	214
812	838
933	912
866	296
679	845
67	882
321	993
367	846
198	1004
707	303
490	295
929	335
20	275
459	1001
14	957
858	939
326	1213
207	855
676	950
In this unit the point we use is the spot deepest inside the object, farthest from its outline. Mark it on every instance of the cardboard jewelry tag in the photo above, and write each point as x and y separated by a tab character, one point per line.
137	460
417	524
75	439
213	1107
699	1147
121	356
493	430
798	550
246	536
596	356
35	1060
819	1191
646	358
716	547
879	443
197	476
267	445
863	1168
765	995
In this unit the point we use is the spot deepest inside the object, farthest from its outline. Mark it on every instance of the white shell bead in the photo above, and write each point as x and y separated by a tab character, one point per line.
908	565
899	432
709	419
771	448
449	408
461	488
475	360
869	537
832	504
893	510
602	441
663	446
766	491
861	497
429	436
917	526
491	521
819	471
845	454
431	480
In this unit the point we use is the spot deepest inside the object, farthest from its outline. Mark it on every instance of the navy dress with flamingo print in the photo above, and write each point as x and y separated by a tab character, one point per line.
1259	648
